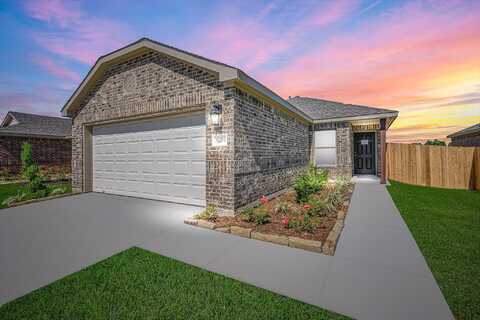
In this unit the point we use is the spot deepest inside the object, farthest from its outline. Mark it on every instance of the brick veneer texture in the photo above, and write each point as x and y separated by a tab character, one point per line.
44	151
155	84
271	148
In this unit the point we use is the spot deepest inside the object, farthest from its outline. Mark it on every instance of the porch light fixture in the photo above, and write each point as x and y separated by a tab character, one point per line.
215	114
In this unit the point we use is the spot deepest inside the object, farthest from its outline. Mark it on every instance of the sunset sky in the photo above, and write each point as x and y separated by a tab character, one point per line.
421	58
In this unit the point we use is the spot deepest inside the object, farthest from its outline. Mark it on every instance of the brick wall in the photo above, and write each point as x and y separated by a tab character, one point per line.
344	144
270	148
44	151
154	84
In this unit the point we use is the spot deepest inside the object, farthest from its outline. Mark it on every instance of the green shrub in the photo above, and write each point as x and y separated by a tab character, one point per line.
309	182
334	199
317	207
209	213
30	170
305	225
342	183
261	216
257	216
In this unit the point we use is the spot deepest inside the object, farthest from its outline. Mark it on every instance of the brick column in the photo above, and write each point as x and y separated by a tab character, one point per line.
383	151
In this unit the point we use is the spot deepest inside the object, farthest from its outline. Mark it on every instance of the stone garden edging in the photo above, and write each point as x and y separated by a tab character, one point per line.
327	248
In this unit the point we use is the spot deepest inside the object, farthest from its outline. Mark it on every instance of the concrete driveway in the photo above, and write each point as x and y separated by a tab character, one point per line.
377	272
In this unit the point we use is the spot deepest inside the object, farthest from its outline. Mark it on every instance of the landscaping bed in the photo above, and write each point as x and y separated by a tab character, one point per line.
309	216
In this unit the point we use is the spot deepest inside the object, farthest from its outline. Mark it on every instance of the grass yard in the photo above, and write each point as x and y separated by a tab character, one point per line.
446	227
11	189
138	284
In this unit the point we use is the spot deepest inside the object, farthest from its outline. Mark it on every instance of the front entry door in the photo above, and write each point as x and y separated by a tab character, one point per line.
364	153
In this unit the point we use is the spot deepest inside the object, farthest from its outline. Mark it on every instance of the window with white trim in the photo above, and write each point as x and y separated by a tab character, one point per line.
325	148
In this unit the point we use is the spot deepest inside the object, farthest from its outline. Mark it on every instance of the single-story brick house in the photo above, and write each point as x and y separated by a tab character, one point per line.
153	121
50	138
468	137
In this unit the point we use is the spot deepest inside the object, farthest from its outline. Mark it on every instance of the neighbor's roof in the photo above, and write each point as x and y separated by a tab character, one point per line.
27	124
473	129
319	109
225	72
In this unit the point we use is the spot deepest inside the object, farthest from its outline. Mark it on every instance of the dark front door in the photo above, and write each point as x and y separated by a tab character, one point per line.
364	153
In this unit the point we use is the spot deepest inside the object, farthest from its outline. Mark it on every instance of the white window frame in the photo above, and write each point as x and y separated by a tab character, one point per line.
323	141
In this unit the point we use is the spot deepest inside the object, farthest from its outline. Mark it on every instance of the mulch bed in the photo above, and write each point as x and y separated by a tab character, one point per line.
275	226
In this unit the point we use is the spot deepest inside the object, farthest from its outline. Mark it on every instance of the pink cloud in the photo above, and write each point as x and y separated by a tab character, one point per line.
54	11
386	60
56	69
77	35
250	42
331	12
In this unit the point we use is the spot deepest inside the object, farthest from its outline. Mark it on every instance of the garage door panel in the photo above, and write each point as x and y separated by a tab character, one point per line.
160	159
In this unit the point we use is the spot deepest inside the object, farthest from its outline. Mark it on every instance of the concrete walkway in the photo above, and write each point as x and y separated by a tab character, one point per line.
376	273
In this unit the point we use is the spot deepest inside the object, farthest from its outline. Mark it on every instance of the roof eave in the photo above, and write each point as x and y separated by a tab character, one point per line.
362	117
46	136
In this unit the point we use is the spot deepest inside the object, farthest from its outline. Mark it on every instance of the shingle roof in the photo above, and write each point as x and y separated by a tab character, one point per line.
27	124
319	109
469	130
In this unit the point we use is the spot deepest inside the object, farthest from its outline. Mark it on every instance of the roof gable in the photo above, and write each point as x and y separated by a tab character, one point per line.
470	130
225	73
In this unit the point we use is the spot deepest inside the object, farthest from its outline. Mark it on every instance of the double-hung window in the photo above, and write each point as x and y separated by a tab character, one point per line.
325	148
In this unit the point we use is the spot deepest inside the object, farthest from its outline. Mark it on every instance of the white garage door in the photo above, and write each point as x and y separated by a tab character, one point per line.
161	159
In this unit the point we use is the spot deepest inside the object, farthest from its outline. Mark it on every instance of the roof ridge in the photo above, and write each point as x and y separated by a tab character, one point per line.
38	115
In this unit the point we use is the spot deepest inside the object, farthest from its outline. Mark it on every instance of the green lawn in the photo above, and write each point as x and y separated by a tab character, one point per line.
11	189
138	284
446	227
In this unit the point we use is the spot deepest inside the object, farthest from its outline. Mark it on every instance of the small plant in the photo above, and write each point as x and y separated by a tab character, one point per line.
285	222
263	200
282	208
342	183
261	216
306	224
247	215
209	213
30	170
257	216
334	199
309	182
20	196
315	207
58	190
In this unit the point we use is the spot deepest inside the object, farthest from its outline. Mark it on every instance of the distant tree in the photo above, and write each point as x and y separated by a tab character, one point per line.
435	142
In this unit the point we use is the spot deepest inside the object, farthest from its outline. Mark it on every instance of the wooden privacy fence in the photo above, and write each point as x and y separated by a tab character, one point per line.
435	166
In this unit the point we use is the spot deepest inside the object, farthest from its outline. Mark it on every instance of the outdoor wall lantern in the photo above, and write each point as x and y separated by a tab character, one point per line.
215	114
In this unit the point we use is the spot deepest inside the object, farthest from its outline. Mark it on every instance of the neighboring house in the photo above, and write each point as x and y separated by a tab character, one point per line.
468	137
50	138
153	121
